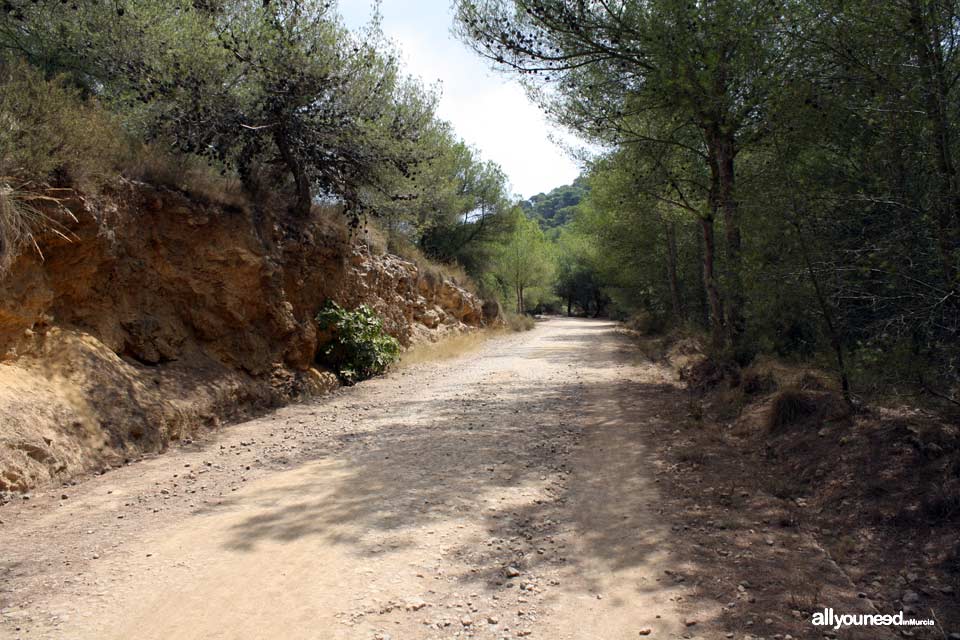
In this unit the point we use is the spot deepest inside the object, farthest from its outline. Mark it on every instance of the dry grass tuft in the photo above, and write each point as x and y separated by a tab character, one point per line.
446	348
705	374
330	220
517	322
789	407
729	403
374	237
26	214
402	247
758	382
187	174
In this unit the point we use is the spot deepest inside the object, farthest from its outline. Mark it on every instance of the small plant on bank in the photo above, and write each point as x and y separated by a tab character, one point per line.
359	348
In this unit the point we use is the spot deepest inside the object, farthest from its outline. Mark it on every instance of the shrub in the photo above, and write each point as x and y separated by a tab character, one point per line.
49	132
48	135
646	323
518	322
358	348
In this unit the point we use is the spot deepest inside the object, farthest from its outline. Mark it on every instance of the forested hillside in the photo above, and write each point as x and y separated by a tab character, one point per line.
556	208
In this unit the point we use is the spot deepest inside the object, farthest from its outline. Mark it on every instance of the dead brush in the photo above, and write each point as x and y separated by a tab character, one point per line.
786	486
810	381
757	382
519	322
399	245
806	598
446	348
28	211
941	504
692	455
186	174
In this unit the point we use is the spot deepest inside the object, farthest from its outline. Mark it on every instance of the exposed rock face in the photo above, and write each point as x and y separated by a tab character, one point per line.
165	315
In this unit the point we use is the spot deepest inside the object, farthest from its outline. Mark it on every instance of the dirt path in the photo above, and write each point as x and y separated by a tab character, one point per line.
505	493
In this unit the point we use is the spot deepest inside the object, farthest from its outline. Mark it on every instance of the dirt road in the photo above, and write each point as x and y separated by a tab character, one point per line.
504	493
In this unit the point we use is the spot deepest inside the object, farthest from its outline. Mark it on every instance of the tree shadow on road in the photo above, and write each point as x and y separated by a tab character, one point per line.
535	465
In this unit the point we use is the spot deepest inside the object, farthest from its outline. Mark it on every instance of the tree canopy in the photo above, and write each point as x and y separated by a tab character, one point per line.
781	173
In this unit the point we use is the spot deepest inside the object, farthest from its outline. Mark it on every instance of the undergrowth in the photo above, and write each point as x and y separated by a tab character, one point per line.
51	138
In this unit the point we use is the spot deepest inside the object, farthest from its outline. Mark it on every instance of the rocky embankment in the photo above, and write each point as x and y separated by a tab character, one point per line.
162	316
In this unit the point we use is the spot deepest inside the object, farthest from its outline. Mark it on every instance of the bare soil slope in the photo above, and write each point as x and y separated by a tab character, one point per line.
166	315
511	492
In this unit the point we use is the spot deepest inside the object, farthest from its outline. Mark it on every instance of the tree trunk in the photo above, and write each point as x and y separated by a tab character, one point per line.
703	307
303	197
597	301
927	41
569	306
723	151
835	342
670	228
262	218
710	283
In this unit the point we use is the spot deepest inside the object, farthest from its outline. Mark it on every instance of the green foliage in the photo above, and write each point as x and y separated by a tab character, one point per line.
303	93
48	132
783	174
280	98
557	208
50	138
279	92
525	261
629	236
359	347
579	283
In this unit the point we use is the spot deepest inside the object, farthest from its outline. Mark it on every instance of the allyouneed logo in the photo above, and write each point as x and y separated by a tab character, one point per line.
827	618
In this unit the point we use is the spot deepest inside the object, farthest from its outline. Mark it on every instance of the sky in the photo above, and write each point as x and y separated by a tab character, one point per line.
488	110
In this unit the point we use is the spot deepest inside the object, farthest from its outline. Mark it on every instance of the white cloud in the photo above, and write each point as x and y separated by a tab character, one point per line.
489	111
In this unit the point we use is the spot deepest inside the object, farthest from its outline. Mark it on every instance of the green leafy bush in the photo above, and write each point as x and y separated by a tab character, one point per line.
359	348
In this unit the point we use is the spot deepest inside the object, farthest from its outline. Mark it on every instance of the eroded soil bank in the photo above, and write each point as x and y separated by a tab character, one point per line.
163	316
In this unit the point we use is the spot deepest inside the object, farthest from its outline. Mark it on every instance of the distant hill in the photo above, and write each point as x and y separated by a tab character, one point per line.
556	208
